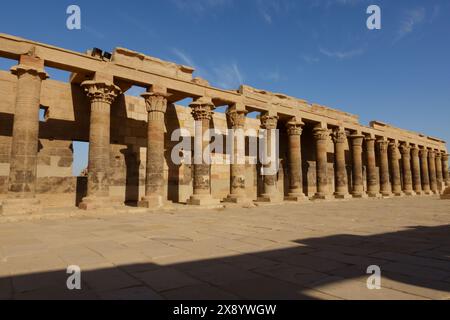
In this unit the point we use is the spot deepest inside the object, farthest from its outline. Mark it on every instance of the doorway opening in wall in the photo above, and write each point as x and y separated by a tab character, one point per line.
80	151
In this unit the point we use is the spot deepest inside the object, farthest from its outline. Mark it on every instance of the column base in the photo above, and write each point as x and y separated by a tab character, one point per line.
94	203
203	200
386	194
270	198
342	196
374	195
360	195
17	207
446	194
418	193
428	193
237	199
296	197
410	193
152	202
398	193
322	196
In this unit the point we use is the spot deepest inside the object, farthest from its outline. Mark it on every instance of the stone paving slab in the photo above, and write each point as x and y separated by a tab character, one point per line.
292	251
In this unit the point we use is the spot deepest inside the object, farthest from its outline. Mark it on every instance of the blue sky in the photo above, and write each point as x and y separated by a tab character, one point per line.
318	50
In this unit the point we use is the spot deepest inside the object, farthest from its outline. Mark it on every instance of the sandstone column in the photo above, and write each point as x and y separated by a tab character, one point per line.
101	94
373	186
202	111
341	181
269	170
417	181
357	172
432	171
445	169
25	137
322	136
236	117
156	103
425	174
405	150
294	130
395	169
385	185
439	176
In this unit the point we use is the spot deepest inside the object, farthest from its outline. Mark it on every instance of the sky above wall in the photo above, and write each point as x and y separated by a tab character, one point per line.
317	50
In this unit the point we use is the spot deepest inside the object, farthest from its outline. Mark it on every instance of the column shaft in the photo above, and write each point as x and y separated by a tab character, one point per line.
156	103
294	130
322	136
439	175
270	167
340	169
417	181
385	185
425	173
445	169
236	118
357	167
405	151
432	171
101	95
373	186
395	169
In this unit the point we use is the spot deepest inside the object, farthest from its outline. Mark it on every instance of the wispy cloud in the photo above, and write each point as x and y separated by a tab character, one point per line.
200	6
342	55
224	75
310	59
268	9
411	19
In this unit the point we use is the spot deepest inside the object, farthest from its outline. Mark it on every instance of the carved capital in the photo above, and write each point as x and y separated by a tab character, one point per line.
393	148
155	102
414	151
321	134
202	109
237	118
294	127
269	122
431	154
383	145
405	149
22	69
339	136
423	153
101	91
445	157
438	155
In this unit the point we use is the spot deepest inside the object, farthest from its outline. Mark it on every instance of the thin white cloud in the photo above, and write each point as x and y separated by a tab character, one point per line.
268	9
341	55
411	19
309	59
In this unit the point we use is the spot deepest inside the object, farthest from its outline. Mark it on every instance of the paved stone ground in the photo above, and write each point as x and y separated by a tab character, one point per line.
294	251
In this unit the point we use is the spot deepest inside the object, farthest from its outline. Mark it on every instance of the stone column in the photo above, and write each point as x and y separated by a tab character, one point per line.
385	185
357	171
405	150
271	193
445	169
425	173
21	197
322	137
236	118
432	171
417	181
395	169
439	176
340	170
202	111
156	103
373	186
101	95
294	130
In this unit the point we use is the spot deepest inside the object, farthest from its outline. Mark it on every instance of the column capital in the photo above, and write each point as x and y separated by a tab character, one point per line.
269	121
202	108
357	139
431	154
339	136
445	157
101	91
383	145
236	117
321	134
405	149
22	69
393	147
423	152
294	127
155	101
438	155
